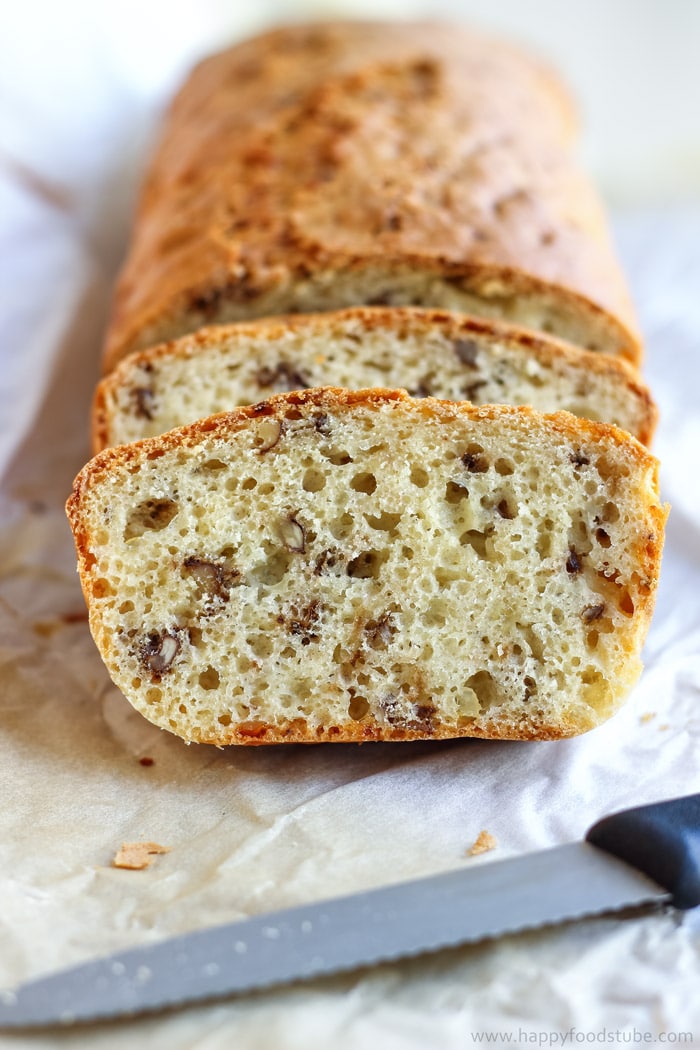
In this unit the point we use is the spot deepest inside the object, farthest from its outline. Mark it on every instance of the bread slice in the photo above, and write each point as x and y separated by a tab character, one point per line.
430	353
348	566
318	167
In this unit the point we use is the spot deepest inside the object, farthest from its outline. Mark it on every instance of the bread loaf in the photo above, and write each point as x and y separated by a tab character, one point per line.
428	352
318	167
349	566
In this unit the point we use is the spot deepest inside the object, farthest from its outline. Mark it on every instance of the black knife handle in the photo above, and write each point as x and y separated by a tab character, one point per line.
662	840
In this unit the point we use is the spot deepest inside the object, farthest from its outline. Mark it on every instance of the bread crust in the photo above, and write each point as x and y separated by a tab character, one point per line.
416	320
317	166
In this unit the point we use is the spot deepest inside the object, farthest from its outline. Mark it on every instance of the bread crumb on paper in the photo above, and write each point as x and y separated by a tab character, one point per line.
483	843
137	855
648	716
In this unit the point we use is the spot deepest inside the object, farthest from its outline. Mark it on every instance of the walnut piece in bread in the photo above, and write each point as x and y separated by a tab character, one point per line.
390	568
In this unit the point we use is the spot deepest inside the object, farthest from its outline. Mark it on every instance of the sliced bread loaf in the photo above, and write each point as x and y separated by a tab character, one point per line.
349	566
428	352
317	167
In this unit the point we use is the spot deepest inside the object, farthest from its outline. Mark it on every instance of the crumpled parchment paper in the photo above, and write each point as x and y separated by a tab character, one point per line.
254	830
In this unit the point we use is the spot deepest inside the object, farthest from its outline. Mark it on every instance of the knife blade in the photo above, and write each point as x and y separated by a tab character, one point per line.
646	855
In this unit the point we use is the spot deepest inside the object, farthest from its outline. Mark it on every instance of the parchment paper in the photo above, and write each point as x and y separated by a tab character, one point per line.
254	830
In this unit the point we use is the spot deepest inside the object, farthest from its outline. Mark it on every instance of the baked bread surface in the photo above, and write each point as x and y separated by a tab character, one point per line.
318	167
349	566
427	352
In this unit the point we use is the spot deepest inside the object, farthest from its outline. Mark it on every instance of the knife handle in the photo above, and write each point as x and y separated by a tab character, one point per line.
662	840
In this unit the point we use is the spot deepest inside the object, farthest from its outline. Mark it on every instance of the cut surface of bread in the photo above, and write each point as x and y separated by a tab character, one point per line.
351	566
318	167
427	352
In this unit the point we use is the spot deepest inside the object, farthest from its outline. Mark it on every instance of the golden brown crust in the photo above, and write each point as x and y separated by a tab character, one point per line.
276	185
452	326
258	734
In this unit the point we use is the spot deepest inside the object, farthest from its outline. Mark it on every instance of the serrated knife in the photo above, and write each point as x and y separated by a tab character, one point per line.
647	855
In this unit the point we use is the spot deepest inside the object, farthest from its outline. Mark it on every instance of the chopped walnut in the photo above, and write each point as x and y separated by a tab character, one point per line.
214	580
330	559
321	422
137	855
380	632
593	612
303	621
159	651
483	843
270	431
474	462
574	564
473	389
283	377
143	400
422	389
293	535
467	350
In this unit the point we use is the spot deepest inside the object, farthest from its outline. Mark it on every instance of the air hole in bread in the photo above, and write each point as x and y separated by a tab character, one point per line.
485	688
209	678
596	689
152	515
455	493
102	588
477	540
504	467
364	483
602	537
338	457
340	528
419	476
384	522
507	508
544	538
313	480
358	708
445	577
261	645
273	568
436	614
367	565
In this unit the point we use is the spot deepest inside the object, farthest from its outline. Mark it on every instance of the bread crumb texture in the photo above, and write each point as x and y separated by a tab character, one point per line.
330	565
483	843
137	855
427	352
